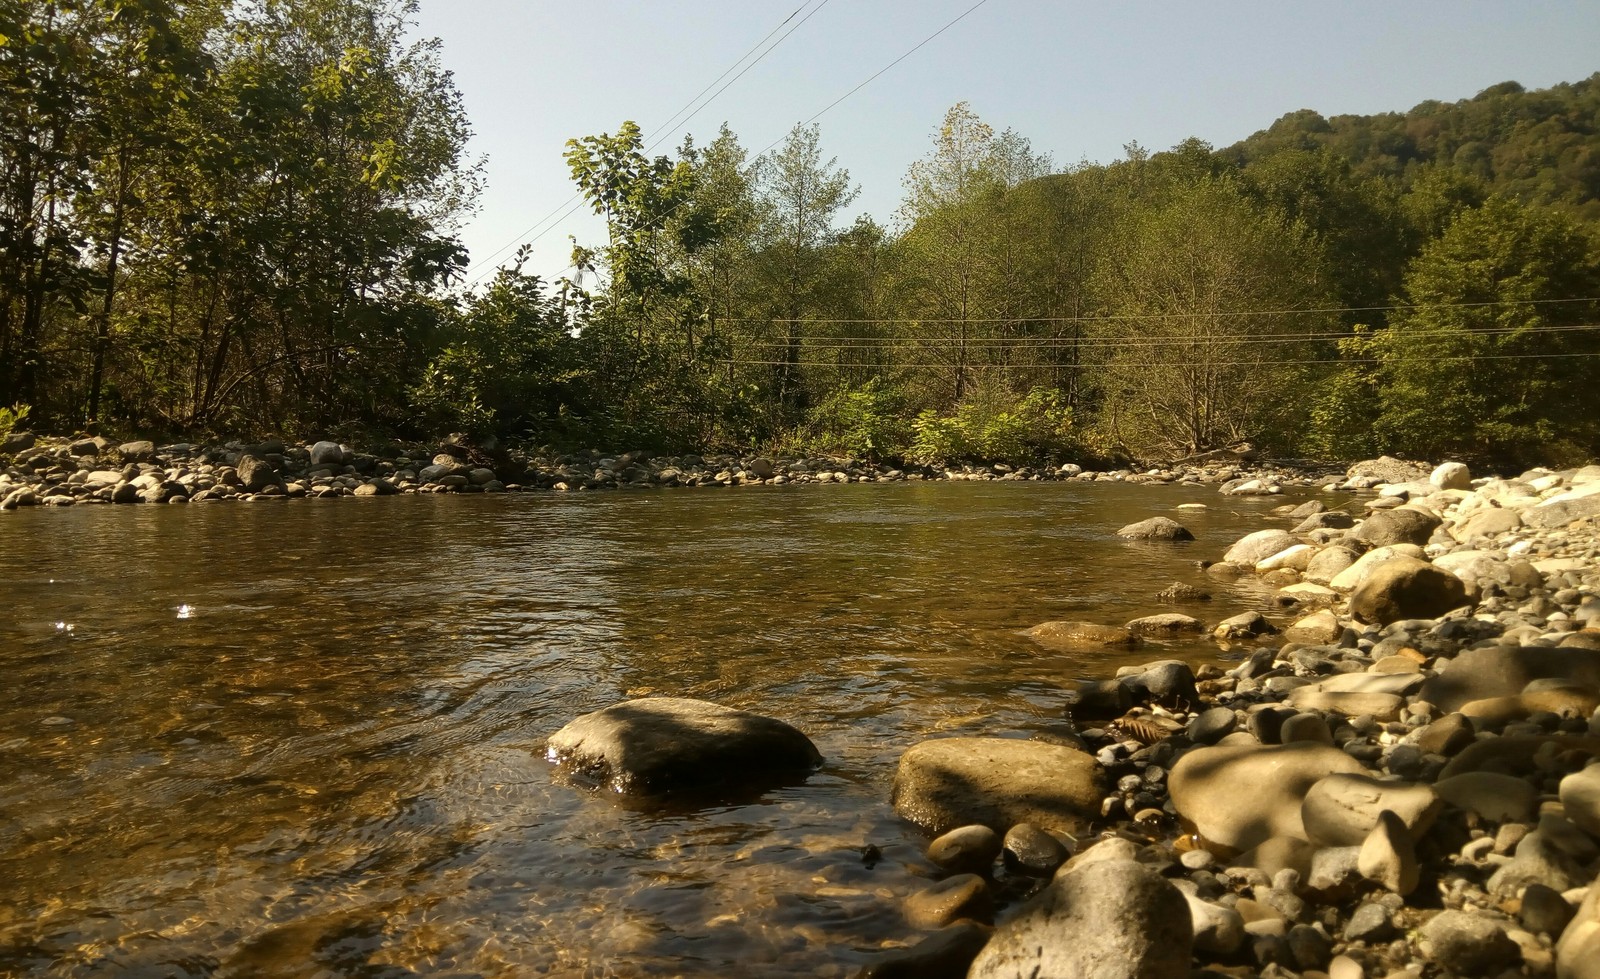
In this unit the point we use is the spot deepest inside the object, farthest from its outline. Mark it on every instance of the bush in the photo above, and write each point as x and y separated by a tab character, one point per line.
865	422
995	426
11	417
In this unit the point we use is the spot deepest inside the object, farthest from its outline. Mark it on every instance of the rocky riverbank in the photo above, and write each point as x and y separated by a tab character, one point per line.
68	472
1403	782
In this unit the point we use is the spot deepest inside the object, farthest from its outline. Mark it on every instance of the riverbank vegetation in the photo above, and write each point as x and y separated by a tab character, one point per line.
241	217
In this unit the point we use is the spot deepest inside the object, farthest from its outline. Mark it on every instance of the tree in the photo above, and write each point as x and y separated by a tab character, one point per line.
1493	360
1211	303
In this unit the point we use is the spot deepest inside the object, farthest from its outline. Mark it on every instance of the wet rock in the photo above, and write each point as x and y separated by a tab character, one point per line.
1081	636
663	744
961	896
1468	944
1494	796
1262	544
1156	529
1342	810
1405	588
1317	629
1112	919
1540	859
1388	856
1099	700
998	782
1030	850
1245	625
1180	592
1204	787
966	850
1168	682
1165	624
946	954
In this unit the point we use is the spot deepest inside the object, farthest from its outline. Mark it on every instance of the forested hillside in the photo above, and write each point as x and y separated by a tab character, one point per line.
235	218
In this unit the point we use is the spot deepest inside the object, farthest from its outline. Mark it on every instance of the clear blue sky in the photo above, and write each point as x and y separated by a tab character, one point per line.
1078	79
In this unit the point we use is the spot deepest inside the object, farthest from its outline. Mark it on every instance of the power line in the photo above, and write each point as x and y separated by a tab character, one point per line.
1141	317
871	78
666	129
1145	340
1160	364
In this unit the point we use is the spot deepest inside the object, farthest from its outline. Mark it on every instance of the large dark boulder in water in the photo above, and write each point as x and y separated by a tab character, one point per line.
668	744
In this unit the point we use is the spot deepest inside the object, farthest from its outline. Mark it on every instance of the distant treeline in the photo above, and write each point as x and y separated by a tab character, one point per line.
235	218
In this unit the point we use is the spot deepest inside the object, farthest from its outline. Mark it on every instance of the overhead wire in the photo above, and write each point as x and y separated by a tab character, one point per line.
825	109
1159	364
666	129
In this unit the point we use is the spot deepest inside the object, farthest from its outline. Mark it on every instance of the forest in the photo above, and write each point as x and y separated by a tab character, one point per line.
228	219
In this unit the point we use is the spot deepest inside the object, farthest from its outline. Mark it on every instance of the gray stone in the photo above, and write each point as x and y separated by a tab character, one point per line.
1405	525
1305	727
1539	859
1169	682
1369	923
1499	671
1245	625
1387	469
1204	787
1095	700
137	451
998	782
1405	588
1030	850
1451	476
1580	799
1343	810
1211	726
1559	511
1388	856
945	954
961	896
1578	951
327	454
1157	529
1262	544
256	474
1112	919
1468	944
663	744
1544	910
1447	735
966	850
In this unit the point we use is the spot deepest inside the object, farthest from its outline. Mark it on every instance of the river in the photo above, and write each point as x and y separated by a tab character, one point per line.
306	739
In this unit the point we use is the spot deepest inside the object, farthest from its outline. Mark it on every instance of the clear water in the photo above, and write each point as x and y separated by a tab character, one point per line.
306	739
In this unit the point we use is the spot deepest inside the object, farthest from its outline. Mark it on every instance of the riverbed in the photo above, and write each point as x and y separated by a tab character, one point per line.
306	738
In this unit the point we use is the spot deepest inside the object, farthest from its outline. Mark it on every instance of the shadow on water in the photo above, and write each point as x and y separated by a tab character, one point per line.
308	739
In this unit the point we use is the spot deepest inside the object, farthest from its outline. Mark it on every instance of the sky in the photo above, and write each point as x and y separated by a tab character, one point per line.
1079	80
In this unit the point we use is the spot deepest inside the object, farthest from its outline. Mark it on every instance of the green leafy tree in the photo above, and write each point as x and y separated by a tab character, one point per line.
1495	357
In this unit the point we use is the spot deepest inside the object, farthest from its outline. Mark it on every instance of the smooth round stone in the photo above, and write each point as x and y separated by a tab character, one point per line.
1544	910
1030	850
966	850
1580	799
999	782
1388	856
1207	787
1305	727
1468	943
1341	810
961	896
1369	923
1211	726
1495	797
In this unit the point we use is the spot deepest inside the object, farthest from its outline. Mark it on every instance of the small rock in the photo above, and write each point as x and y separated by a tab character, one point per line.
1030	850
1468	944
961	896
966	849
1157	529
1388	856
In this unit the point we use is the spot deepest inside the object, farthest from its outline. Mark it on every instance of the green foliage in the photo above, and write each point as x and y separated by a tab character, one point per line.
996	426
11	418
1346	405
866	421
1496	361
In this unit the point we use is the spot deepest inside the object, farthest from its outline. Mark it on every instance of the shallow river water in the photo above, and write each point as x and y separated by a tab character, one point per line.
306	739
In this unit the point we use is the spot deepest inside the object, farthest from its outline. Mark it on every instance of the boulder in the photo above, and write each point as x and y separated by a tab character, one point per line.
1205	788
1468	944
1558	511
1502	671
1380	694
1082	636
1262	544
1387	469
1516	753
1404	525
1245	625
1317	629
945	954
256	474
998	782
1165	624
665	744
1406	588
1157	529
1578	951
1328	563
1580	799
1170	682
1031	851
1099	700
137	451
1491	522
1342	810
1353	576
327	454
1110	919
1451	476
